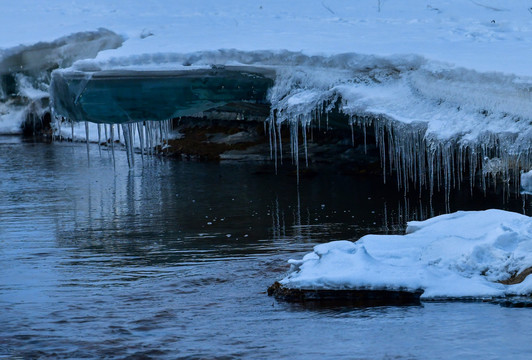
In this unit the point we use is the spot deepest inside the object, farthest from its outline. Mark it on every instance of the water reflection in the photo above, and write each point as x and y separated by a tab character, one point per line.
195	211
173	259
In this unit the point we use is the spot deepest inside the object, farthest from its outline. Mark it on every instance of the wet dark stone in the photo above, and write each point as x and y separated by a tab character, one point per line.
354	297
516	302
37	126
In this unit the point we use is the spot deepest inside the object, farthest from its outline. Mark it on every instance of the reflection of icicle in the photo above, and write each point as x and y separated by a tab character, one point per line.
352	132
276	225
99	140
111	129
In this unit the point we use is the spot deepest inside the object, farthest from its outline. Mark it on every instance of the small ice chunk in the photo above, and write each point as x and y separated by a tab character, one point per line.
526	183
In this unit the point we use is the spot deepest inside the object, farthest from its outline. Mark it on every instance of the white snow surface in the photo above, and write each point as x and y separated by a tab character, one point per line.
458	255
485	35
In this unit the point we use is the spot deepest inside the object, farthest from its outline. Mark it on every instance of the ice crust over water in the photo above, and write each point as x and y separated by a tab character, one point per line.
458	255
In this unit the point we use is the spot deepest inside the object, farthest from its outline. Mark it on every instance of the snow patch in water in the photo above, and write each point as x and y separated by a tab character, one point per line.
526	182
458	255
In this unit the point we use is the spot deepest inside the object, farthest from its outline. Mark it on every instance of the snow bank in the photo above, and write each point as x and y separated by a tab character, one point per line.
459	255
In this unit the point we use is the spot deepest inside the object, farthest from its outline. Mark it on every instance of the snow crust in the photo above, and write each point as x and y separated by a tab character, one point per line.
458	255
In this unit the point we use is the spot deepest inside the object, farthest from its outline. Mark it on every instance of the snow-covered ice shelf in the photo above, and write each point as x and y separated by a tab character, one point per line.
465	255
446	86
433	124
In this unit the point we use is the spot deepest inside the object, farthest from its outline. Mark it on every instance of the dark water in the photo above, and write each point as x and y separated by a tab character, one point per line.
172	260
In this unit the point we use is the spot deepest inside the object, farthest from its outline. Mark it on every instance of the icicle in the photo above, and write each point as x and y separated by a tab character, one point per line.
161	136
60	123
99	140
140	131
126	128
167	125
304	131
273	138
131	140
269	136
296	147
126	143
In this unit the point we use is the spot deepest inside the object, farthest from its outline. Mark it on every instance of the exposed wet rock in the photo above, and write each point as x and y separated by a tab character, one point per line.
517	278
353	297
36	125
516	302
238	132
210	142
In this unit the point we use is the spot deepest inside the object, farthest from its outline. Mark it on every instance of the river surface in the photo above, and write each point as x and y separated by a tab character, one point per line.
172	260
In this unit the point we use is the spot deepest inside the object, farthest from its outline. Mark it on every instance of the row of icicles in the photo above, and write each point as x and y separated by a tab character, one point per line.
146	136
415	162
412	159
